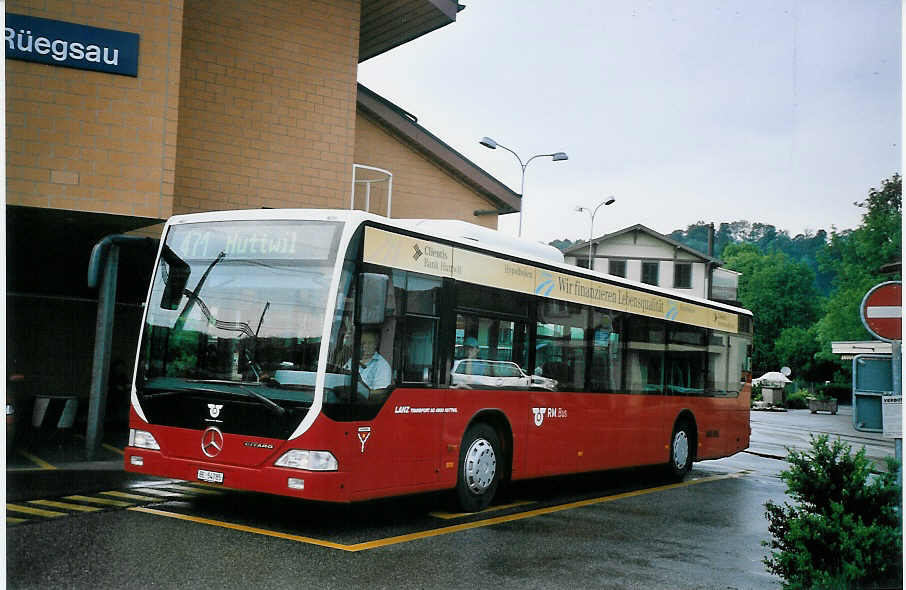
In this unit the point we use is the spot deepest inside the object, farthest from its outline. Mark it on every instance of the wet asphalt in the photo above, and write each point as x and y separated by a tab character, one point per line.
621	529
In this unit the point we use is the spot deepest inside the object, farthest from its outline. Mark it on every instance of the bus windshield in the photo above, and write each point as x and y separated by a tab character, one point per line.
238	308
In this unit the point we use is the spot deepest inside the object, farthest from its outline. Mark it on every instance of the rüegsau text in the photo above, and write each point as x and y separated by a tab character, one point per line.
78	46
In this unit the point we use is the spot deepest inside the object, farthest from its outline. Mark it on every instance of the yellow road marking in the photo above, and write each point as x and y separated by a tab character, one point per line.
450	515
192	489
34	511
130	496
161	493
113	448
435	532
36	460
64	505
14	520
104	501
240	527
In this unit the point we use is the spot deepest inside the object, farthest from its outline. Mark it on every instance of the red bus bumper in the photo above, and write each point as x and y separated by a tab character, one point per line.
329	486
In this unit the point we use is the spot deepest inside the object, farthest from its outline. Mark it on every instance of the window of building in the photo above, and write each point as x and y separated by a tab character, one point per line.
617	268
682	275
650	272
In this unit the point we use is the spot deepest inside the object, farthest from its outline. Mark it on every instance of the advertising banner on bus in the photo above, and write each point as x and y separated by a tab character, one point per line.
424	256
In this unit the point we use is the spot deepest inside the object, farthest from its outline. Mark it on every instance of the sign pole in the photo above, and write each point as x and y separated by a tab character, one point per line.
882	315
897	368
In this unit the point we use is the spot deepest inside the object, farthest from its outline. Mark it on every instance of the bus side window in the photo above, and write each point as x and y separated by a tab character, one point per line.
419	347
687	360
718	364
560	344
739	368
644	355
606	352
489	353
419	340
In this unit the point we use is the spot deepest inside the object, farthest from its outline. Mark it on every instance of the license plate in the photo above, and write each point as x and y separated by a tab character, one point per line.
210	476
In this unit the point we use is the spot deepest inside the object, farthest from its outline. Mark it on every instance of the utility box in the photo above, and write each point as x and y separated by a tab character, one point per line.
872	380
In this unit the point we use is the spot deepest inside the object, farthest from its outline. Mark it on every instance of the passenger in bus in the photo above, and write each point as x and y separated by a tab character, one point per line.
374	370
470	346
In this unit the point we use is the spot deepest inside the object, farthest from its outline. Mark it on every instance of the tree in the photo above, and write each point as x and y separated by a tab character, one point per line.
855	258
779	291
797	347
766	237
563	244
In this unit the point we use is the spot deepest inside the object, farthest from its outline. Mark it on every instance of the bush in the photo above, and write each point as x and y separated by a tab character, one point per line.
756	393
796	401
842	392
843	531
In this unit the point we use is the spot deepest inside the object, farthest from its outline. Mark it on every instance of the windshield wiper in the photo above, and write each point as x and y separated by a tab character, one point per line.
145	394
245	392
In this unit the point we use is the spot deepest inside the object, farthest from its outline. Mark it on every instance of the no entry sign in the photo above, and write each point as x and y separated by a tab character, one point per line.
882	311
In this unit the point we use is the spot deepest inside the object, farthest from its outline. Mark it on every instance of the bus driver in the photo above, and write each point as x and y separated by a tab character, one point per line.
374	370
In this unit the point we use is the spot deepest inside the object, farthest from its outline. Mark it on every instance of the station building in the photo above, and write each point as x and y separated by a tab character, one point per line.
122	113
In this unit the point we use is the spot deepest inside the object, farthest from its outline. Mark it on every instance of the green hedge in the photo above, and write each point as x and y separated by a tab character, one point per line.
797	400
842	392
843	529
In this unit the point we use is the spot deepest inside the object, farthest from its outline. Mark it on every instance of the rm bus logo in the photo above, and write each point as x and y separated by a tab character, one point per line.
539	415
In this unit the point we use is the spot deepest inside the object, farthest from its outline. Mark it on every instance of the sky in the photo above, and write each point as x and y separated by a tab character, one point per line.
777	112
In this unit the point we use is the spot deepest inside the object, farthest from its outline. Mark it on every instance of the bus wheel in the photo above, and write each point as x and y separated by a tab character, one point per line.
681	451
479	470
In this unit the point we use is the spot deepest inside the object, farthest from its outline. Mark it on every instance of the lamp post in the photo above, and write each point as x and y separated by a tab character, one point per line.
591	228
556	157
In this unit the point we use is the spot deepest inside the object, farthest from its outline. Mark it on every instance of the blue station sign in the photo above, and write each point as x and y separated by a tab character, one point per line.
59	43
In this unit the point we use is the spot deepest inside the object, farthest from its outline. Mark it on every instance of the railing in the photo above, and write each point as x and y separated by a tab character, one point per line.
368	183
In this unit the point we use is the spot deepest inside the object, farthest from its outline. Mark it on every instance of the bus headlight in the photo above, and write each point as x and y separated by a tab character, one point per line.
308	460
142	440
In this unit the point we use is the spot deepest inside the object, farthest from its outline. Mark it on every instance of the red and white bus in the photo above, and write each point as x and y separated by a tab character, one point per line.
341	356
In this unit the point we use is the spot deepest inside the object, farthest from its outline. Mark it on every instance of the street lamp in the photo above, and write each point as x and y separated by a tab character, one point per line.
591	228
556	157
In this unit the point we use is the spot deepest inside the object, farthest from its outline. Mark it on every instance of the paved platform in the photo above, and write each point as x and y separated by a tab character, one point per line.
52	465
773	433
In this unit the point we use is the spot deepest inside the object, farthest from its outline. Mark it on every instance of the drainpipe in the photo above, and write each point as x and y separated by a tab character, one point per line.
102	273
710	265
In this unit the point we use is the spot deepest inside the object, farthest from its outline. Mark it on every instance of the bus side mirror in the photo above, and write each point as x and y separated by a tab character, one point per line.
177	276
373	297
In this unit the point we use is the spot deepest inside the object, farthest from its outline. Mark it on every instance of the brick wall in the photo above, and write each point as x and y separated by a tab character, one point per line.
421	189
91	141
267	104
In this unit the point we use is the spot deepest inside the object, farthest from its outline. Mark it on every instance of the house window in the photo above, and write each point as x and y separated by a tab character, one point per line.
617	268
682	275
650	272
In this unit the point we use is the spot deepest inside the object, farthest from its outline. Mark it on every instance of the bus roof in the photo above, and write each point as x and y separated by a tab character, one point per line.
453	230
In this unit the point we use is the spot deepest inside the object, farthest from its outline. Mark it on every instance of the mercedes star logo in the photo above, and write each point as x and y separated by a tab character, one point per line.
212	441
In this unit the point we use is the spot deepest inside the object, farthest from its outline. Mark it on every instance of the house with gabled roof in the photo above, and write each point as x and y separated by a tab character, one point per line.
641	254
